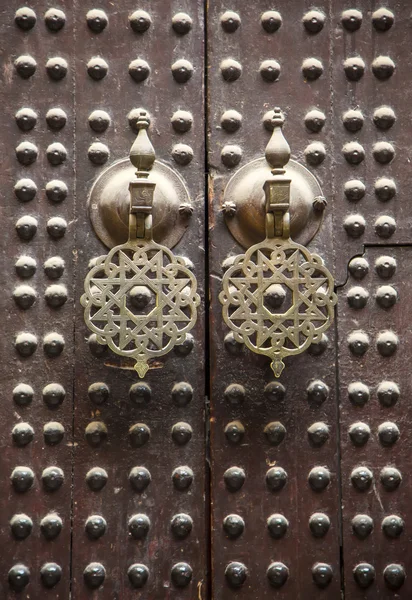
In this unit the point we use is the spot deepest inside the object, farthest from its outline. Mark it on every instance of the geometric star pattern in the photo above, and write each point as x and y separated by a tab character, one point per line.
140	333
307	284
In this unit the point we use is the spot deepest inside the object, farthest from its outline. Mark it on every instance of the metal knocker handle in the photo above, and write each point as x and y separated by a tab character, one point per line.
140	299
278	297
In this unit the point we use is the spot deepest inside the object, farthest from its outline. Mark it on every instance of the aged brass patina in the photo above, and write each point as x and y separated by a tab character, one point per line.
278	297
140	299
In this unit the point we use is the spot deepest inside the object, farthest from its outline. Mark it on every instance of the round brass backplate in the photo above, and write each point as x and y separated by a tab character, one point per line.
109	204
245	190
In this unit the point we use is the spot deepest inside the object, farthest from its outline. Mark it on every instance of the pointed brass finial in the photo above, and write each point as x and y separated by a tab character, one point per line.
142	154
277	151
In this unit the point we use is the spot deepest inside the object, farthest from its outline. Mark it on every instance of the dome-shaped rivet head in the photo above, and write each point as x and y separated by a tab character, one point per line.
139	478
312	69
99	121
139	70
385	226
56	295
391	478
322	574
56	154
19	577
359	433
230	21
187	346
384	117
230	69
95	347
233	526
318	434
354	190
95	527
231	121
362	526
277	525
234	478
50	574
52	478
182	121
386	296
25	190
319	478
140	393
26	119
351	19
275	433
318	348
354	68
364	575
319	524
25	18
96	433
53	395
383	152
182	394
140	21
181	574
25	66
97	68
388	433
23	394
98	153
56	118
385	189
276	479
22	479
182	154
97	20
274	391
232	346
53	433
182	478
388	393
94	575
353	120
387	343
394	576
358	393
56	190
358	268
271	20
57	68
138	575
53	344
313	21
234	432
231	155
26	344
383	19
315	153
181	525
56	227
383	67
51	526
21	526
354	226
317	392
236	574
54	19
22	434
392	526
353	153
27	153
315	120
182	70
357	297
182	23
24	296
139	435
361	478
96	479
182	433
358	342
235	394
270	70
277	574
139	526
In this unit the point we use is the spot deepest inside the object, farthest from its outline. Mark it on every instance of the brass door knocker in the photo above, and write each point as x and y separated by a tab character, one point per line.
278	297
140	299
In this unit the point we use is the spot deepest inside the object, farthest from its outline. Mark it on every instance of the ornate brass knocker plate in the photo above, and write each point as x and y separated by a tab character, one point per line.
140	299
278	297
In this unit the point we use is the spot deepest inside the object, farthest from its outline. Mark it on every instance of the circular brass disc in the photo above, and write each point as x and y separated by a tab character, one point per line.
109	202
245	190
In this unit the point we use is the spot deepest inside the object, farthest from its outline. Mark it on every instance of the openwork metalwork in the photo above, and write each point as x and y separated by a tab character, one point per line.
278	297
140	299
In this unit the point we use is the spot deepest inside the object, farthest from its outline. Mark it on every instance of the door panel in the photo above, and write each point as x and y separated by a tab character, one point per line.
37	130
